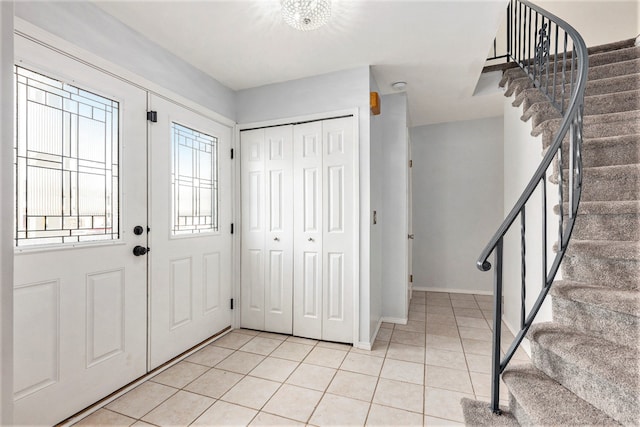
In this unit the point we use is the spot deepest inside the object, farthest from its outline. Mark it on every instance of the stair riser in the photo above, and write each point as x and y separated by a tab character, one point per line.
623	227
593	130
620	328
624	152
606	71
615	103
619	184
529	97
619	274
604	395
518	412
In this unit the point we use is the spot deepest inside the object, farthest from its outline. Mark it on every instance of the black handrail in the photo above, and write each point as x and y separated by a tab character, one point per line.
523	20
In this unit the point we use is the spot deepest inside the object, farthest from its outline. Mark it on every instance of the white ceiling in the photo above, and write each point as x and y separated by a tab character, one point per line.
437	47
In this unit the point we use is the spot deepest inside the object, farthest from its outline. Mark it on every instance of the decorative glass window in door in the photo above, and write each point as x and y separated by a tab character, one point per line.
66	163
194	181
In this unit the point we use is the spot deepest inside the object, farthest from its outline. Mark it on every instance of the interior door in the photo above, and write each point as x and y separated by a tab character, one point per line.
80	293
190	229
267	229
338	229
308	218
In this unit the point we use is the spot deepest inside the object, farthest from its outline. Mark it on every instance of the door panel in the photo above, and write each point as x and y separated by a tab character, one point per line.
338	229
190	240
279	235
80	302
308	185
252	286
267	231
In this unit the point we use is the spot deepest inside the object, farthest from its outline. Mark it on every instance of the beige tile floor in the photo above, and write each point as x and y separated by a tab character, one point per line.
415	374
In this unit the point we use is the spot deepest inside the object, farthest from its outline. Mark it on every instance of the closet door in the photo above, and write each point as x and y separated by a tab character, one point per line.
253	229
337	230
279	229
308	233
267	229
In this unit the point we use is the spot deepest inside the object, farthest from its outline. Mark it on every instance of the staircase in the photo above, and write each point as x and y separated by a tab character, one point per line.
585	366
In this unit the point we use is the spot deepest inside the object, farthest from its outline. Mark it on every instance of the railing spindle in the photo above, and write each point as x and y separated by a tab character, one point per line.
561	199
555	68
544	231
523	267
497	329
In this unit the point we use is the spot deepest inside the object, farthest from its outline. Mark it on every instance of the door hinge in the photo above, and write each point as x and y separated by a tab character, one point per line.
410	163
231	303
152	116
232	154
231	228
411	278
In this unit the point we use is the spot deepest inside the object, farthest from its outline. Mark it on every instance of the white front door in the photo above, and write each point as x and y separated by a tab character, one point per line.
80	294
190	229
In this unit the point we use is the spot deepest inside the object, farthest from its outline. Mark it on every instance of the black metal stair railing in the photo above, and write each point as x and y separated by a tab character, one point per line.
555	58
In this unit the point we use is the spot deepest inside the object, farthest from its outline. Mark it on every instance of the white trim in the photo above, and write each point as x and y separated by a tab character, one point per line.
396	320
304	118
637	43
361	345
36	34
452	291
104	402
355	112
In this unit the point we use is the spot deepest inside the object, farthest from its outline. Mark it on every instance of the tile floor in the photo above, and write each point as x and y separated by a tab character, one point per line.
415	374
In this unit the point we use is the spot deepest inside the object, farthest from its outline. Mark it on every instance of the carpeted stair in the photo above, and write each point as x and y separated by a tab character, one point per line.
585	365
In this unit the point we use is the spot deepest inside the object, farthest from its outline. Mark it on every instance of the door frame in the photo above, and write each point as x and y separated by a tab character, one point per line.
237	237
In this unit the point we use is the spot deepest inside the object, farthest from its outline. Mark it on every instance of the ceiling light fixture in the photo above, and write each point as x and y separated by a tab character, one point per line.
399	85
306	15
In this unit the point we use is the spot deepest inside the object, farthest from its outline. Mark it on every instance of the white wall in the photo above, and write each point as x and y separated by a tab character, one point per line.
325	93
522	155
90	28
598	22
6	213
457	202
394	207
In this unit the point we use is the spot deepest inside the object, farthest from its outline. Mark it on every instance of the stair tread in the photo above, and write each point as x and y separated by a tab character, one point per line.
517	82
605	359
609	85
598	207
477	413
624	118
547	402
620	250
623	301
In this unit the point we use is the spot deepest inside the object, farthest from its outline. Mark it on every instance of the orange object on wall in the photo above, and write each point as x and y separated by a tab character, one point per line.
375	103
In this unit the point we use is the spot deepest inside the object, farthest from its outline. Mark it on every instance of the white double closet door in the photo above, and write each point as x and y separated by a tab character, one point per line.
297	261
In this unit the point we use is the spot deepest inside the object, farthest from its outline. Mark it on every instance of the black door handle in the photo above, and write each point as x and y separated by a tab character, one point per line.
140	250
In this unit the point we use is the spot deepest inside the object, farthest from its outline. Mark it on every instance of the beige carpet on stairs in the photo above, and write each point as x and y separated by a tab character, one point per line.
585	367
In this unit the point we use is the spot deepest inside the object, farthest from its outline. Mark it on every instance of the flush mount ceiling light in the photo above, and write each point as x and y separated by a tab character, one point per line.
399	85
306	15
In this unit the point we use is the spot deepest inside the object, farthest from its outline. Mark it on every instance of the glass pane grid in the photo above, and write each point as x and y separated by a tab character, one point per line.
66	163
194	181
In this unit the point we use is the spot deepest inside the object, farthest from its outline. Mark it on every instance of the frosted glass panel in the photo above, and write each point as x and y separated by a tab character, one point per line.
194	183
66	162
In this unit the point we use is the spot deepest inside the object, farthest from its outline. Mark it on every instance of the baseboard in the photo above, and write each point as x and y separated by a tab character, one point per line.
637	41
363	345
396	320
451	291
